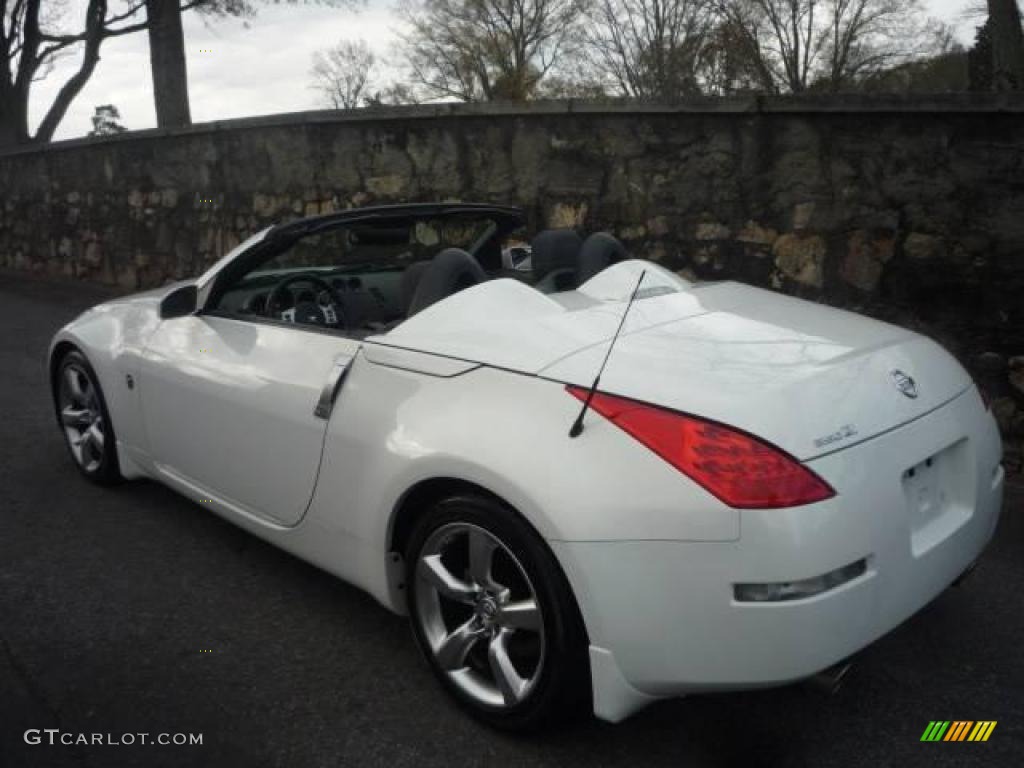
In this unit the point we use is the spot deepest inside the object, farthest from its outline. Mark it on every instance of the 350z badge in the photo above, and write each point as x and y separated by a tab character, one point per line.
843	433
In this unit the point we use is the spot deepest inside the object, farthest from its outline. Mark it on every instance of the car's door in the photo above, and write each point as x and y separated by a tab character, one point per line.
236	397
238	409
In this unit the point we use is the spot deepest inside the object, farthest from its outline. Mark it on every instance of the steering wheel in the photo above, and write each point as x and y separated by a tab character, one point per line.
307	312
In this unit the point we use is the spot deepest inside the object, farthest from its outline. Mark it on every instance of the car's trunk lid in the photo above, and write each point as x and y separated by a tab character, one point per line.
808	378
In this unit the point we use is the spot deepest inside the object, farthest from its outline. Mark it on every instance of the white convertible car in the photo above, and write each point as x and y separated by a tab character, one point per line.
754	488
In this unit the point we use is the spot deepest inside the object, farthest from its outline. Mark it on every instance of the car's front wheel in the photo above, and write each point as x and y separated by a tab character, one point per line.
494	615
84	419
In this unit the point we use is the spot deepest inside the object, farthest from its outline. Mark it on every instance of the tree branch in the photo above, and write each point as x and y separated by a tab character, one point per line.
107	31
95	15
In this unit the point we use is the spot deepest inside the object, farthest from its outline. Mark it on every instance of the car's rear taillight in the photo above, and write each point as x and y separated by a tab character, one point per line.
741	470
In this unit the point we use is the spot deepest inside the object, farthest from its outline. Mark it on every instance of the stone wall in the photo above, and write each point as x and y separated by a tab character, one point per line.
910	211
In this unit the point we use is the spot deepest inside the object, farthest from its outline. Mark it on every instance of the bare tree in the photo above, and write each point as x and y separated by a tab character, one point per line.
784	34
392	95
868	36
342	74
167	47
948	70
650	48
482	50
34	34
575	78
733	60
807	42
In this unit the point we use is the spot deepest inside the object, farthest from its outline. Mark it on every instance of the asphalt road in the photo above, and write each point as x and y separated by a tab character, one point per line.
109	600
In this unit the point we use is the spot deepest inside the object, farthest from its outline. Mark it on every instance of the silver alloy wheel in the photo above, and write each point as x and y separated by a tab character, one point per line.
485	626
82	417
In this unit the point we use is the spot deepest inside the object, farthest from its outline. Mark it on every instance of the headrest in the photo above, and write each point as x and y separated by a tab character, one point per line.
554	249
599	251
449	272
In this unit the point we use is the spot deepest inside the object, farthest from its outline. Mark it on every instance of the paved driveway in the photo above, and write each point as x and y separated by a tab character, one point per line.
108	599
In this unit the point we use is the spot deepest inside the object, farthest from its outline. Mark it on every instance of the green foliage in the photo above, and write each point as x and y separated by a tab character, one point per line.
106	121
944	73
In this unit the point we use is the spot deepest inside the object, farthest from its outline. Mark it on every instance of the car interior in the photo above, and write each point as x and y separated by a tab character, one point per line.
366	277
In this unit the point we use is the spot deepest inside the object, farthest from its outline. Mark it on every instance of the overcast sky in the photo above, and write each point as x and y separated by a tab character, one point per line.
237	70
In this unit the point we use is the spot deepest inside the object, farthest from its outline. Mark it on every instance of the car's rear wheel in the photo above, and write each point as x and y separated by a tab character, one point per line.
494	615
84	419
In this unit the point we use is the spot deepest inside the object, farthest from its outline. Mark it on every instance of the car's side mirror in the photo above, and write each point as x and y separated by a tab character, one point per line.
179	302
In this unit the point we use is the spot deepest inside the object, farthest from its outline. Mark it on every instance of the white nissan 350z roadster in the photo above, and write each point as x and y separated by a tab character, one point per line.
587	481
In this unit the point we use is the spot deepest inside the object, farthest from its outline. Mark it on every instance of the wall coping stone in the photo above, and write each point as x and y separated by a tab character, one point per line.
841	104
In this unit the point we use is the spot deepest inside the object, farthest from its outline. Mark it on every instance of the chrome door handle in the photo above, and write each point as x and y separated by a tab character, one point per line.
329	393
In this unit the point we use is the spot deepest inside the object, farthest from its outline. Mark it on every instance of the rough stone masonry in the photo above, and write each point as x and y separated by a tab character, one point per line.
909	210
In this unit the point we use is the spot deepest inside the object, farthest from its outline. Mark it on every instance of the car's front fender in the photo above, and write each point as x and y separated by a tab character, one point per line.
112	336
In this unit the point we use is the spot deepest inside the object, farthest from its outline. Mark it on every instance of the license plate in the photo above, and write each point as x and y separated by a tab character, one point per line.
936	493
927	498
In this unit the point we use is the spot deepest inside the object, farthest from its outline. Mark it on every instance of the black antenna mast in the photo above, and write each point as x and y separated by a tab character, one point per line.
577	426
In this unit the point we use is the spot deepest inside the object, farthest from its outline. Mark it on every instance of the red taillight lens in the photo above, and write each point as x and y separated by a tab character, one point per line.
741	470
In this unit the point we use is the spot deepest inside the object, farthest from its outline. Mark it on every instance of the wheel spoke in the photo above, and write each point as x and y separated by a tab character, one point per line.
508	680
451	653
522	614
95	435
435	573
74	385
79	418
481	556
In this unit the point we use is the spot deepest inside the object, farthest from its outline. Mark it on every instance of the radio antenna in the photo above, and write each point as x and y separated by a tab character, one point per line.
577	426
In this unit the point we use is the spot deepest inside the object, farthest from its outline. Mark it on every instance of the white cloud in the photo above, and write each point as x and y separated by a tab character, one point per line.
262	68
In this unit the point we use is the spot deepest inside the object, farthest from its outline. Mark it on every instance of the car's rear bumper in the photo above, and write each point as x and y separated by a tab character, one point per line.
663	616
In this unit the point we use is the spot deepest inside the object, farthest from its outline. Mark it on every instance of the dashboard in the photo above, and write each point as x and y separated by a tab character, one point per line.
369	299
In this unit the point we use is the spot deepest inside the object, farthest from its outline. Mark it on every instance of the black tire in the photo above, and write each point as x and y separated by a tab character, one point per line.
103	467
560	689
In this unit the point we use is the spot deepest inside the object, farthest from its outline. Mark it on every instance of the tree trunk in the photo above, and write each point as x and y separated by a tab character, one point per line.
10	135
13	120
167	60
1007	45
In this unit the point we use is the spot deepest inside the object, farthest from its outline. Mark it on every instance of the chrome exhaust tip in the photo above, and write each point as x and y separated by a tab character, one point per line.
830	680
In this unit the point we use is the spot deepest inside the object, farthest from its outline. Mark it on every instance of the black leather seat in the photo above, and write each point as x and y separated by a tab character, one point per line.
599	251
408	284
554	253
449	272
